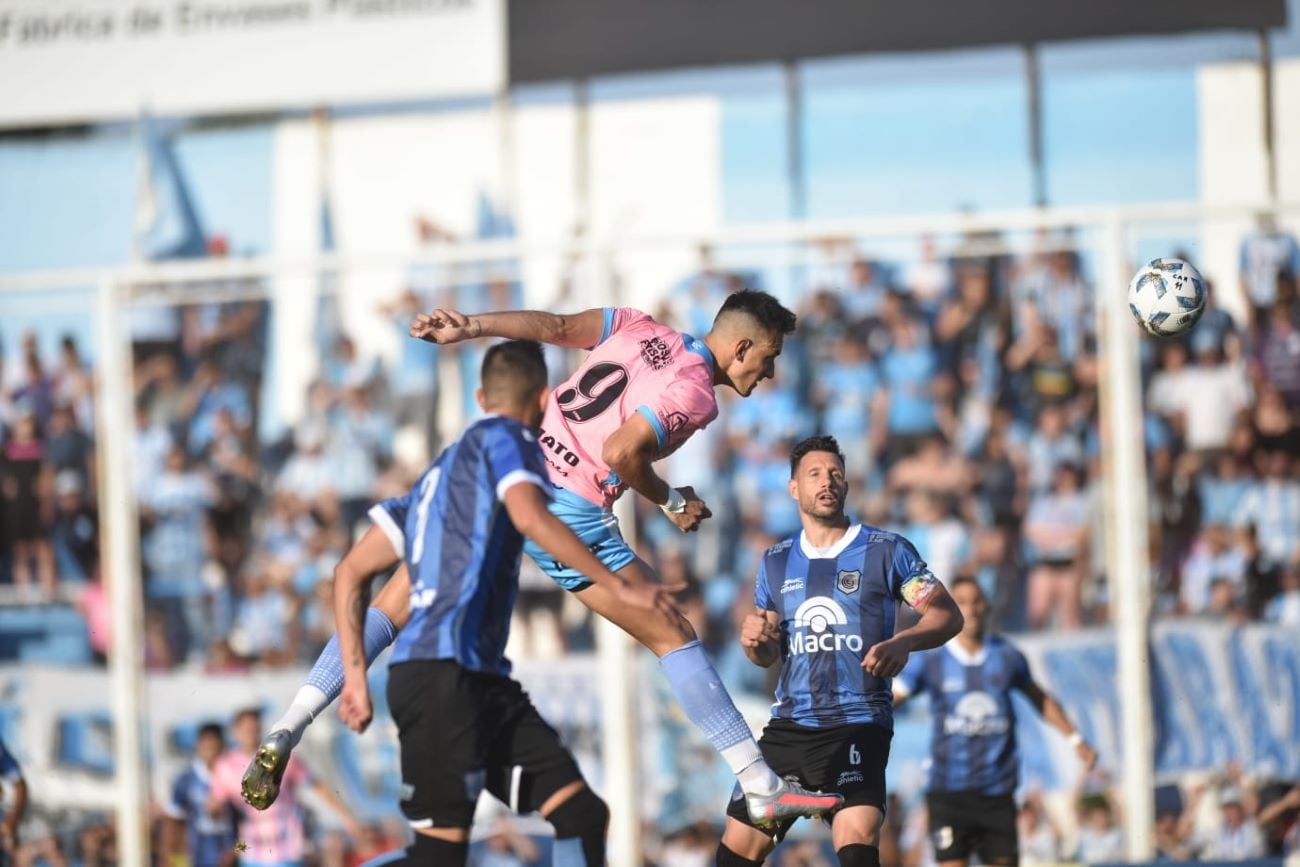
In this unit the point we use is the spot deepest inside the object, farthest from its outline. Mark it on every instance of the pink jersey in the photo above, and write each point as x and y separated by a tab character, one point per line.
638	366
273	835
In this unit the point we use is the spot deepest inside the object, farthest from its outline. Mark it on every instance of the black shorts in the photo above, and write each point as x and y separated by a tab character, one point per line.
463	731
966	823
848	760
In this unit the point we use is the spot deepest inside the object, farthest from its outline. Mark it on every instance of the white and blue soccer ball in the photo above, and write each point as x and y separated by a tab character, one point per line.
1167	297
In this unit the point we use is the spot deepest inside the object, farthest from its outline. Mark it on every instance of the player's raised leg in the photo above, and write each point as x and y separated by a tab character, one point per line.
324	683
641	393
705	699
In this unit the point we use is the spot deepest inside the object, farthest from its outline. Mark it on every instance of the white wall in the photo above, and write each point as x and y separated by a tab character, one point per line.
1232	159
654	170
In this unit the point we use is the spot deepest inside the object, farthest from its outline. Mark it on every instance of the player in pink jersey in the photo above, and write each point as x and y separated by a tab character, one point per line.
642	391
274	837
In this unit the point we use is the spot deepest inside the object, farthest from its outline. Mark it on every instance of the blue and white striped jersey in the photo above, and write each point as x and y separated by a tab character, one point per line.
973	741
460	547
210	837
833	605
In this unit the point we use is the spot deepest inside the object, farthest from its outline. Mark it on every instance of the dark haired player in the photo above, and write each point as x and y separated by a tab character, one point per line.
974	764
639	395
464	725
825	601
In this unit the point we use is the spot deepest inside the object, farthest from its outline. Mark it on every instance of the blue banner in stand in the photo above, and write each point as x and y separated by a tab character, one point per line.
1219	694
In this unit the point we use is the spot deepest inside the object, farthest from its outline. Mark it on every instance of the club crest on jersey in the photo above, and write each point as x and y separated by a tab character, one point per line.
656	353
850	580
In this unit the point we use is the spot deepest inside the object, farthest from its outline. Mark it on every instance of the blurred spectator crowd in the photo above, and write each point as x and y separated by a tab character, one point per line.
962	385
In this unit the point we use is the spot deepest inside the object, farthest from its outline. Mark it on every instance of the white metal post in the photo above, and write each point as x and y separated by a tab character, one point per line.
1128	568
120	568
617	655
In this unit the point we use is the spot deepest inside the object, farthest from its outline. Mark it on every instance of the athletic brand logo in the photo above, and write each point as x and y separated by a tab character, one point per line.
792	584
655	353
819	614
849	777
849	581
975	715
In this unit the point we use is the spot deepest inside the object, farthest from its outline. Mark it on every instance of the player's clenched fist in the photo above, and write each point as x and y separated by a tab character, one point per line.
355	709
887	658
692	514
758	629
443	327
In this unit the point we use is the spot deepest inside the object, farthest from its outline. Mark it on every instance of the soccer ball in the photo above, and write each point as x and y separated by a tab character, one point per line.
1166	296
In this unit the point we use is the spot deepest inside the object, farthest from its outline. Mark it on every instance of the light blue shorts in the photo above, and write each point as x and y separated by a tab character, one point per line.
598	530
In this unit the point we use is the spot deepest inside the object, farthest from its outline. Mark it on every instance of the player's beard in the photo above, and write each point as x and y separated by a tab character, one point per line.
825	508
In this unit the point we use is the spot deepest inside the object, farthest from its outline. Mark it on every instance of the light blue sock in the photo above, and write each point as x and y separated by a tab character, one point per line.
325	680
705	700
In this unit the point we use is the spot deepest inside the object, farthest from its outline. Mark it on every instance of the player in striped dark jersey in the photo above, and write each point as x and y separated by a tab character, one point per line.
643	390
975	765
464	725
825	601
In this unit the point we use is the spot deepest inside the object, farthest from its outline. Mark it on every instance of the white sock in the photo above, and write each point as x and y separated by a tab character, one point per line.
304	708
754	774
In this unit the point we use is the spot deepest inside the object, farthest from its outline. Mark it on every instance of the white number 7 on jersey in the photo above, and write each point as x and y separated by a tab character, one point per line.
855	757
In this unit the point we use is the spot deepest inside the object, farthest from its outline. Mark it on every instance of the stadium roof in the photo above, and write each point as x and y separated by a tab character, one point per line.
565	39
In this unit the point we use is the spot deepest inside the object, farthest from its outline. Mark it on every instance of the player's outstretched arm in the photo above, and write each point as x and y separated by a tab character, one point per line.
630	451
573	330
760	637
940	620
372	554
527	509
1056	717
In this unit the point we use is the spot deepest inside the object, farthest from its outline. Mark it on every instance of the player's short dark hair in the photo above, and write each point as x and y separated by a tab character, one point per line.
770	314
513	369
962	581
822	443
212	730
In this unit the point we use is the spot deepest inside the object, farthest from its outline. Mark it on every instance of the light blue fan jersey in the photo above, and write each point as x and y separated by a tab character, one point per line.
460	547
973	745
833	605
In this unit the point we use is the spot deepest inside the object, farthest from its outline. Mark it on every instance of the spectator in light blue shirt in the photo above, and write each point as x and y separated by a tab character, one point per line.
909	368
175	507
1272	507
1266	253
213	393
1050	446
1222	490
846	391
